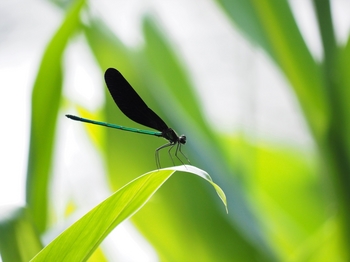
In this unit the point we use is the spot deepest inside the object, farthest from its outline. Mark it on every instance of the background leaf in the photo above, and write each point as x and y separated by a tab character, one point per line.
19	239
46	99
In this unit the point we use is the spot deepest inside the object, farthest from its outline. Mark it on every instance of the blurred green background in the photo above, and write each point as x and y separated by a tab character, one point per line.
261	90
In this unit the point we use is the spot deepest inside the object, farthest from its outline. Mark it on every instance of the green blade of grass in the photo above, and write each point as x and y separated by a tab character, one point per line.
336	151
270	23
170	72
19	240
79	241
46	99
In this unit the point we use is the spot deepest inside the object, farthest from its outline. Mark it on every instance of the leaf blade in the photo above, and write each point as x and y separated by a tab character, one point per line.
79	241
46	97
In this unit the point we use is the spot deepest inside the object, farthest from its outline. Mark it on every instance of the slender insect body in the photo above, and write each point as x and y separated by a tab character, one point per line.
172	137
131	104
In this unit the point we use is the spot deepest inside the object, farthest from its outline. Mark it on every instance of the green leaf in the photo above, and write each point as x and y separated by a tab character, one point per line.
344	91
80	240
169	73
271	25
153	83
46	99
19	240
245	17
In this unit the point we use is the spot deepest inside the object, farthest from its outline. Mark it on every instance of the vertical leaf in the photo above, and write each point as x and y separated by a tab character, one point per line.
46	98
19	240
283	41
336	151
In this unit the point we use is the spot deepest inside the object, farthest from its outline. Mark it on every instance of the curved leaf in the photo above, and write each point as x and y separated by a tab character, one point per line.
80	240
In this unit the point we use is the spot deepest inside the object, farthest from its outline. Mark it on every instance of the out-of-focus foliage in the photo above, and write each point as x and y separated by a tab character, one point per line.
46	97
292	205
323	93
19	239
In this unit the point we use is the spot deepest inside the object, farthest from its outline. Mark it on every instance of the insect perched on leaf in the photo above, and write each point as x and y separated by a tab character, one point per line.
131	104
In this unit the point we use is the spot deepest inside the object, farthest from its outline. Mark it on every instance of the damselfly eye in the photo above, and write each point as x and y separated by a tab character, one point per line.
182	139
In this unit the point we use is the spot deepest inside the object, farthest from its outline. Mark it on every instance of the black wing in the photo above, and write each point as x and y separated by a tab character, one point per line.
130	103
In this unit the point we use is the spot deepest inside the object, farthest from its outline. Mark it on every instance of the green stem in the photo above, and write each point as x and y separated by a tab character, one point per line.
335	148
